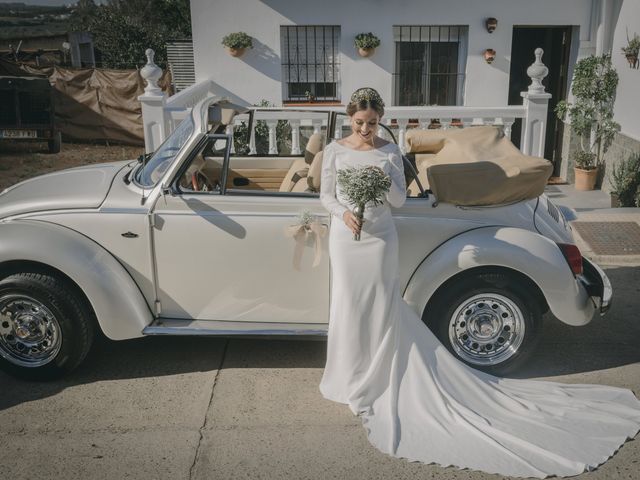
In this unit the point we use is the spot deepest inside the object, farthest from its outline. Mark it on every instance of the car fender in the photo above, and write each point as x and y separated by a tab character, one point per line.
117	301
530	253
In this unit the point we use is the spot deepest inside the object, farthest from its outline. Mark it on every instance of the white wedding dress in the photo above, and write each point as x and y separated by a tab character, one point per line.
418	401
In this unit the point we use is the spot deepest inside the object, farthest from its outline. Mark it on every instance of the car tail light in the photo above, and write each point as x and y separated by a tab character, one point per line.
573	256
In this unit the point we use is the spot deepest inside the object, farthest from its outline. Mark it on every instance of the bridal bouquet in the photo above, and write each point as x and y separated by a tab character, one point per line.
362	186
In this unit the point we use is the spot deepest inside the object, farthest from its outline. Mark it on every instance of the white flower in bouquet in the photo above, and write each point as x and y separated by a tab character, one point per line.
363	186
305	217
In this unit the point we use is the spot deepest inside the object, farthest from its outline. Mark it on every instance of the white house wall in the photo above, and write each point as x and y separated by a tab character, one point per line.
627	106
257	75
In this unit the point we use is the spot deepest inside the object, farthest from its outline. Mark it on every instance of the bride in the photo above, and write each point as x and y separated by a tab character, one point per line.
416	400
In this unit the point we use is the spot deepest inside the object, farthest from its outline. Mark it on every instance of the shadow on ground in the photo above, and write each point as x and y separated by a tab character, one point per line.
607	342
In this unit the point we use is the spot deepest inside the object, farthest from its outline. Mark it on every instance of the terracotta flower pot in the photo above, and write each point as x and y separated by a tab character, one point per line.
235	52
615	200
585	179
366	52
489	55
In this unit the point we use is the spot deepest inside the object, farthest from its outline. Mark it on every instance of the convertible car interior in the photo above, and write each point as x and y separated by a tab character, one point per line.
284	174
472	166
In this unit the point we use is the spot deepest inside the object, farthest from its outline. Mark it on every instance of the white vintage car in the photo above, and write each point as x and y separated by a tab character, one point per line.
190	240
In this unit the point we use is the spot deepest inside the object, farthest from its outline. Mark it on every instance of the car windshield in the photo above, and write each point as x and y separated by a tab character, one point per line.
157	165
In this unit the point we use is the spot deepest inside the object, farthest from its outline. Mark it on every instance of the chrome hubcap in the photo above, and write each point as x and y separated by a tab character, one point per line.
30	334
486	329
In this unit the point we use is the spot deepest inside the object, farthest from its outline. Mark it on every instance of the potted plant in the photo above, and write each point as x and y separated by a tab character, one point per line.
366	43
625	181
594	87
632	49
585	170
236	43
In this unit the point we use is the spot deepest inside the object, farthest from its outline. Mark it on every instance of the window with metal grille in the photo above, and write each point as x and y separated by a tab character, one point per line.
310	62
430	64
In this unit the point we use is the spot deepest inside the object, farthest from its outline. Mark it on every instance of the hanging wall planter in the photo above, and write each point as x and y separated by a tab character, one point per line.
366	52
366	43
236	43
632	50
489	55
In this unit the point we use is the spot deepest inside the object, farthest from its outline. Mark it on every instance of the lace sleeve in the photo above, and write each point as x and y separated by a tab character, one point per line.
328	184
397	194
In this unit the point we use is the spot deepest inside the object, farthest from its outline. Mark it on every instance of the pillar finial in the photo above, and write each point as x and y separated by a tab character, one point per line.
537	71
151	74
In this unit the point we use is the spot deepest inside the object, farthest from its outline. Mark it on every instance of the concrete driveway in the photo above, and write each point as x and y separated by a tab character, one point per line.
215	408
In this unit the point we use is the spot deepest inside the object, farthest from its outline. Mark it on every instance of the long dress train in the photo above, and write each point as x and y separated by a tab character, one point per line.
418	401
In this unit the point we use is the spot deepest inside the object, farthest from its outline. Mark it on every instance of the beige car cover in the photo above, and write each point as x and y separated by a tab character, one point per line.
477	166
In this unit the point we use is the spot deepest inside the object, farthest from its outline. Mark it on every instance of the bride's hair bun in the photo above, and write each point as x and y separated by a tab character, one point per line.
364	98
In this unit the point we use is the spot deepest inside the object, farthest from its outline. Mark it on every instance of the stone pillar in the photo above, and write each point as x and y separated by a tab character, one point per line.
536	103
153	105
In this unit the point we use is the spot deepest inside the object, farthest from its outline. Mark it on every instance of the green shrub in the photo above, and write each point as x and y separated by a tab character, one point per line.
283	135
367	40
625	180
584	160
237	40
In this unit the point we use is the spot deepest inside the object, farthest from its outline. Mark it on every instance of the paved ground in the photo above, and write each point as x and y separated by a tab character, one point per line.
595	206
213	408
208	408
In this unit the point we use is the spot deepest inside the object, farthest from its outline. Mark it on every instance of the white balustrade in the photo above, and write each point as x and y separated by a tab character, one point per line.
295	137
273	147
161	114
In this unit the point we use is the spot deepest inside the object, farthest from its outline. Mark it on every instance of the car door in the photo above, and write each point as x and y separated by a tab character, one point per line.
224	254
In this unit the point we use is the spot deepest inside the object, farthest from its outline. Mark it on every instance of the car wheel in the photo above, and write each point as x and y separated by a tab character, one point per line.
489	321
46	329
55	143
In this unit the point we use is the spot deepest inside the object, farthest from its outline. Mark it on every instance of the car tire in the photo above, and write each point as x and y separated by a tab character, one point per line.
55	143
490	321
46	327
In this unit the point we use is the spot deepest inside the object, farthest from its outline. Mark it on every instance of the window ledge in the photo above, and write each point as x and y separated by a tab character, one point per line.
306	104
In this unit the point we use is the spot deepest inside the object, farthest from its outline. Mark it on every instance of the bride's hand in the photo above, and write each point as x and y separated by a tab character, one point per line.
351	221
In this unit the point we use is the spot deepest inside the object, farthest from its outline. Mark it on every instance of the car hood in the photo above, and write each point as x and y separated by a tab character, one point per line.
81	187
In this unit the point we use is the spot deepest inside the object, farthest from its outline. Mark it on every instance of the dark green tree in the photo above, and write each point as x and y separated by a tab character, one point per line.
123	29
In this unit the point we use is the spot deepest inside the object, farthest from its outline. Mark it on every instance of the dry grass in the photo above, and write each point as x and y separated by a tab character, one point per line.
22	160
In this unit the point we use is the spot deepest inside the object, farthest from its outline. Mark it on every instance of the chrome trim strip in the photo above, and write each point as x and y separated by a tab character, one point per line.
216	327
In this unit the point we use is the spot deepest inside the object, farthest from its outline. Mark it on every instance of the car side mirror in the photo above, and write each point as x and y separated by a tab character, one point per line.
167	190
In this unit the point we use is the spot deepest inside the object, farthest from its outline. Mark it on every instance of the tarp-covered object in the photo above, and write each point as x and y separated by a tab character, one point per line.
477	166
95	103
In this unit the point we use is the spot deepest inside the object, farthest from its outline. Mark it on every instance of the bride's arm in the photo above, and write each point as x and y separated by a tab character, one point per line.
328	184
397	194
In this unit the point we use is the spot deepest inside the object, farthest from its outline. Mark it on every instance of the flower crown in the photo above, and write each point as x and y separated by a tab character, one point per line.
368	94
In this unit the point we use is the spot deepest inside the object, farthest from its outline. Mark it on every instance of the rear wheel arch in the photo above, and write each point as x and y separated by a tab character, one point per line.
516	275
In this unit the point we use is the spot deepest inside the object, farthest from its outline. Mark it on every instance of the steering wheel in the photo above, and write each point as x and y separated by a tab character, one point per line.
200	182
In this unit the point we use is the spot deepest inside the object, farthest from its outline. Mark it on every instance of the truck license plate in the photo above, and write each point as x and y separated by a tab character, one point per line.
18	134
